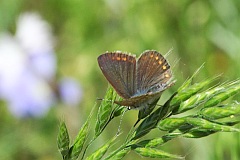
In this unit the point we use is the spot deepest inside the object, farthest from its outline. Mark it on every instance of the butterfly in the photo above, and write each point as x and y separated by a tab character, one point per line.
140	82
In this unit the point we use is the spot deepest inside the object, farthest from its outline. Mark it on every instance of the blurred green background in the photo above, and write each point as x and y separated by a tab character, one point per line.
197	31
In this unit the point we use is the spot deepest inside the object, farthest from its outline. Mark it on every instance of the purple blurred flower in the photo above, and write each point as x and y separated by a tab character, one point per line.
27	66
32	96
70	92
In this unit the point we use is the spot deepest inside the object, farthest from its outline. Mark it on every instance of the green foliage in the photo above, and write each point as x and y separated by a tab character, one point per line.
209	97
98	154
151	121
63	140
77	146
222	111
105	111
120	154
204	120
155	153
199	31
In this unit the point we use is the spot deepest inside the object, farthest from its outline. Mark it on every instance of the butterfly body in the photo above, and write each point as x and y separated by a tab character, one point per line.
139	102
139	82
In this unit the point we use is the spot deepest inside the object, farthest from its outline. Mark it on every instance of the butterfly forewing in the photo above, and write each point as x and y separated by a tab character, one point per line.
152	71
120	70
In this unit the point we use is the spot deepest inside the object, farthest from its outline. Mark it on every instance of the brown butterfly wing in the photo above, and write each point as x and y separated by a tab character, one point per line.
120	70
153	72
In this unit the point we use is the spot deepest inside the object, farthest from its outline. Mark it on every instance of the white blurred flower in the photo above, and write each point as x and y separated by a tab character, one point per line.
35	36
12	63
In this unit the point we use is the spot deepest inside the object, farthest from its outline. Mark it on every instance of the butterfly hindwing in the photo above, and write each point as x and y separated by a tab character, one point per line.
120	70
153	72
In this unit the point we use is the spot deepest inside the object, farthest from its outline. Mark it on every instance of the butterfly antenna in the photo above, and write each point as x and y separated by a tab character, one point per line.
102	99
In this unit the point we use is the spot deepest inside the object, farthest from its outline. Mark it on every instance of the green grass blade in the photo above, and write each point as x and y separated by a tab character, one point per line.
207	125
121	154
104	111
63	140
169	124
152	120
156	141
145	112
79	141
220	111
199	99
197	133
187	92
188	82
98	154
231	89
148	124
155	153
